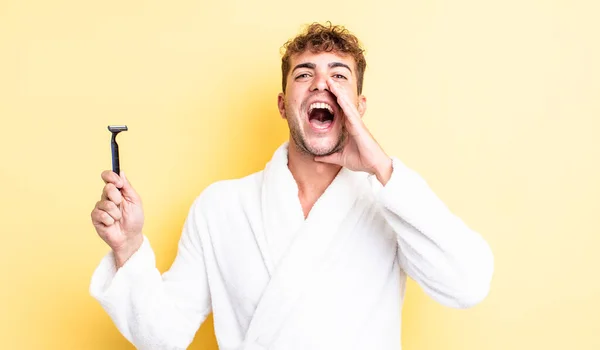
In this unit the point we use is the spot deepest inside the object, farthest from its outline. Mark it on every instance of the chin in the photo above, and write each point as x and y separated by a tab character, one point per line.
319	144
325	146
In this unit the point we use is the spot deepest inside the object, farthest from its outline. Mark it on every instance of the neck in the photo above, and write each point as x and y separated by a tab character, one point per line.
311	176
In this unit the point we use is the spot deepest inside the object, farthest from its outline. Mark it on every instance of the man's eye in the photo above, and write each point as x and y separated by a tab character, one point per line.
302	76
339	76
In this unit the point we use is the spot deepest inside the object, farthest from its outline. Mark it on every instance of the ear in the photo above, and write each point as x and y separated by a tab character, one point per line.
281	104
362	105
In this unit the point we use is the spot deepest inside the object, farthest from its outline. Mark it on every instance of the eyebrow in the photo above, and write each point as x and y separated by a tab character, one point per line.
304	65
339	64
313	66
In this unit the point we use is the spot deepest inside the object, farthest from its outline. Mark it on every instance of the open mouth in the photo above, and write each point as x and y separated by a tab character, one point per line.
320	115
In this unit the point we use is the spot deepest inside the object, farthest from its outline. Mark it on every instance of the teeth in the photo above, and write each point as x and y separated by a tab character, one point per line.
320	105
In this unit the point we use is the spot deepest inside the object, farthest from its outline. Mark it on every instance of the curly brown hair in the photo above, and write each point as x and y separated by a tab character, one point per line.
320	38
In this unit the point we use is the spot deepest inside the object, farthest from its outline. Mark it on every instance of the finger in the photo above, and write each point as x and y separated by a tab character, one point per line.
128	191
100	217
112	194
110	176
110	208
335	158
347	106
337	90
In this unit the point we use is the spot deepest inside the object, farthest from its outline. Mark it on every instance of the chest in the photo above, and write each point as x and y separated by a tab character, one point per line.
307	201
362	248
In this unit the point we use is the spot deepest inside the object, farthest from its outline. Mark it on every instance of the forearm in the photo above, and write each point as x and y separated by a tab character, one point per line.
453	263
151	310
144	305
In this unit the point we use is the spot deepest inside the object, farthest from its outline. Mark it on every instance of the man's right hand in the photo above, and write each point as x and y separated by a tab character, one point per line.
118	217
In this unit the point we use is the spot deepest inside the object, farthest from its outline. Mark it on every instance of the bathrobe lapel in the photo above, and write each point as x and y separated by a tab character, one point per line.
312	239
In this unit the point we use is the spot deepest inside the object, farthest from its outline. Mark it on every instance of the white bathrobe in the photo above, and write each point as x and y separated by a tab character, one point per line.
274	280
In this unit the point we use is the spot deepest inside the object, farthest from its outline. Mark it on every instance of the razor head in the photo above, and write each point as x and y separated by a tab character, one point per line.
117	128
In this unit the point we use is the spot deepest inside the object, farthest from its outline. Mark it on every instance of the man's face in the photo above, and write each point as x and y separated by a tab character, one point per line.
315	119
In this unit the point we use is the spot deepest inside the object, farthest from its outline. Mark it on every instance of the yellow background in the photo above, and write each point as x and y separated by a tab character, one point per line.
496	104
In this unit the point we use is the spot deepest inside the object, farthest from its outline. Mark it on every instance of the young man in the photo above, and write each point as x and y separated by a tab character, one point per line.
313	252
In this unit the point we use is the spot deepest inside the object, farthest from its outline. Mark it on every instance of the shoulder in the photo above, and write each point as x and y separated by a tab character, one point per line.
229	194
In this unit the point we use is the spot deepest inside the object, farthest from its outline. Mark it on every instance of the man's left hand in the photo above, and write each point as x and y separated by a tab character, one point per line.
361	152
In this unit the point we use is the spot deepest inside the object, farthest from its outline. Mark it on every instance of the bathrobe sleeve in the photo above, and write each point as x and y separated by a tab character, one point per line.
451	262
154	311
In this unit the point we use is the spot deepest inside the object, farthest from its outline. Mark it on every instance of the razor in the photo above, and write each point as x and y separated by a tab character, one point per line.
115	130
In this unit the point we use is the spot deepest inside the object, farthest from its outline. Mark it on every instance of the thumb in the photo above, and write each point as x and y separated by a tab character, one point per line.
127	190
335	158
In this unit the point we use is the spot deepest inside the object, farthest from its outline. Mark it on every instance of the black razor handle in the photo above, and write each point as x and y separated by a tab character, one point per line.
115	130
115	155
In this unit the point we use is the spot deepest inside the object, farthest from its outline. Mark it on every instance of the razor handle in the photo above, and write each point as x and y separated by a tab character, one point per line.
115	156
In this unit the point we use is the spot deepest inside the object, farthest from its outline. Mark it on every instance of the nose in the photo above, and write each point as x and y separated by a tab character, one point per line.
319	83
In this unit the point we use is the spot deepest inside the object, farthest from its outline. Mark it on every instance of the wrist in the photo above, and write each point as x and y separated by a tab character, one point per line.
123	254
383	170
